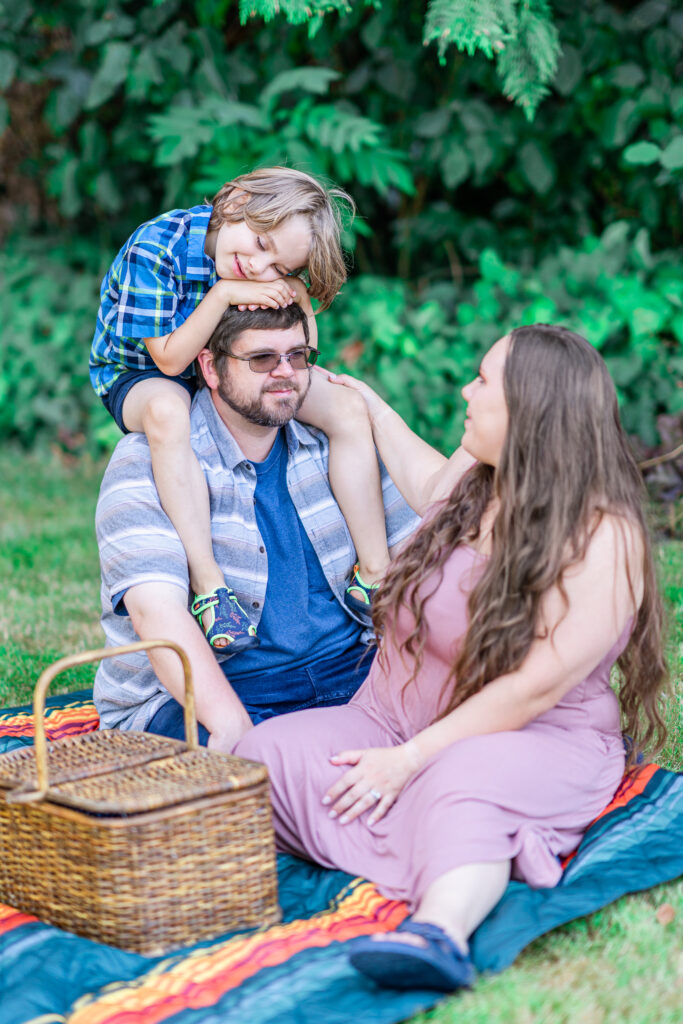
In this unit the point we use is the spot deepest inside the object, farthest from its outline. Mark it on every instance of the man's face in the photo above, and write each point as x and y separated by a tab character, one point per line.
268	399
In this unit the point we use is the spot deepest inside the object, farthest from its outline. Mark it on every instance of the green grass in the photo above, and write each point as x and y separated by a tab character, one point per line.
619	966
49	571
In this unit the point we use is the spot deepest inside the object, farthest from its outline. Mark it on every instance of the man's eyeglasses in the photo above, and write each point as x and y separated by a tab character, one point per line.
266	362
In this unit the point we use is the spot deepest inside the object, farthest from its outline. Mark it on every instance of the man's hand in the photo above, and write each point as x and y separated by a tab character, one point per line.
376	779
257	294
225	741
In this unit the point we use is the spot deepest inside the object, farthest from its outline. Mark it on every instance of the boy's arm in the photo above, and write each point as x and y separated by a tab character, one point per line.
174	352
158	611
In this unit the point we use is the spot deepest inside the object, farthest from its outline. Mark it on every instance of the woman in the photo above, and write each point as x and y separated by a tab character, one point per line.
486	737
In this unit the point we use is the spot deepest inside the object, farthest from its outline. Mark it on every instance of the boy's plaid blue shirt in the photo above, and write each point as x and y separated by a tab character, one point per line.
158	278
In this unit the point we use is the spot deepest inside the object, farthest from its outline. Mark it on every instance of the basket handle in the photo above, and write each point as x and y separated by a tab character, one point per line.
71	661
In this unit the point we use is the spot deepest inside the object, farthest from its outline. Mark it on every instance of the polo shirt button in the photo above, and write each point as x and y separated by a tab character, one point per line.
248	467
262	549
256	605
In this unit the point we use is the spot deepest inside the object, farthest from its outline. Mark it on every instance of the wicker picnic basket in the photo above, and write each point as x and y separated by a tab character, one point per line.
135	840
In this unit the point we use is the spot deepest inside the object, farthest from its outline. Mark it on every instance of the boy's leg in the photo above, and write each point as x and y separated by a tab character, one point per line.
161	410
353	469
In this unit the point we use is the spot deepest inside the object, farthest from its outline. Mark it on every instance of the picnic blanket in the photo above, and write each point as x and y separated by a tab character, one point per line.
298	971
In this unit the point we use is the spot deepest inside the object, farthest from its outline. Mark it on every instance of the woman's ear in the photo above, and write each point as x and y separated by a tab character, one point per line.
207	369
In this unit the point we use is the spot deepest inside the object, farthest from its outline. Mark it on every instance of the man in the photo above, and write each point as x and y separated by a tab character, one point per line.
278	536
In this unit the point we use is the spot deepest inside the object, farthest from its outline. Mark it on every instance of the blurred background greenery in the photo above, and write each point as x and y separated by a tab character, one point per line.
512	162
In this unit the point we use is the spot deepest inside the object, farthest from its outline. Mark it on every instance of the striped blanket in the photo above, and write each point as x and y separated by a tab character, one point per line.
298	971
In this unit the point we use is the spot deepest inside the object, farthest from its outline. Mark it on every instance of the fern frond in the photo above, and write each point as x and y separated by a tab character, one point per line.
518	34
470	25
296	12
528	63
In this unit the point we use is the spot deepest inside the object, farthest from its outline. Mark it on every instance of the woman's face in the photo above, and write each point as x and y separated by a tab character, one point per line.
486	423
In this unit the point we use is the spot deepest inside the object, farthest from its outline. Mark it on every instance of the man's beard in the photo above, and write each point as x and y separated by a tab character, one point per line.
255	410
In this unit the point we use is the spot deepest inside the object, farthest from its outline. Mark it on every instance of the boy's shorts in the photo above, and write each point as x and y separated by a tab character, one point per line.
114	398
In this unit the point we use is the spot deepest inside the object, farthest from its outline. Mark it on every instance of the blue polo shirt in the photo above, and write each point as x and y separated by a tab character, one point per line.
302	621
158	278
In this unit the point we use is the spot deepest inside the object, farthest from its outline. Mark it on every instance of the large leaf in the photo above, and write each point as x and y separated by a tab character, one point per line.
110	75
672	156
182	131
314	80
8	66
642	153
537	167
455	164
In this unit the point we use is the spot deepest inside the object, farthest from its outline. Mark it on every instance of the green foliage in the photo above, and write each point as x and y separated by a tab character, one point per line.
47	298
118	111
521	35
418	346
420	350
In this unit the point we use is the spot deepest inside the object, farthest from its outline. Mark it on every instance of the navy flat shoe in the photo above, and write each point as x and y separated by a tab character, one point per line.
437	965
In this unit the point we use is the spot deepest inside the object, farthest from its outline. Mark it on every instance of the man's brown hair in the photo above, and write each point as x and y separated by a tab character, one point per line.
235	322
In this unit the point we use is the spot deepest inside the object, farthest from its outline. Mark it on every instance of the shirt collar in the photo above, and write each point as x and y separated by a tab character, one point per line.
300	434
232	455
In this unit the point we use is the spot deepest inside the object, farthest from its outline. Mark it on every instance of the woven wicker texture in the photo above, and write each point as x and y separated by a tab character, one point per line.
185	850
157	784
80	757
149	884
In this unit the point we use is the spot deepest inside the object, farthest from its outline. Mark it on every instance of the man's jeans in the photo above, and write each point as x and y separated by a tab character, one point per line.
322	684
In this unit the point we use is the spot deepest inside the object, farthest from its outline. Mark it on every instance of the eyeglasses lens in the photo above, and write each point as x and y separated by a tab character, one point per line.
298	360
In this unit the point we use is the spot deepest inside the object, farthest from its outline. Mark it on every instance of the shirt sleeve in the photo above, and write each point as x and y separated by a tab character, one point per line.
146	282
137	541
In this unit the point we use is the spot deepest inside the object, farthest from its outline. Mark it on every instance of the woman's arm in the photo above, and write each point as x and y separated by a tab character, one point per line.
421	473
576	637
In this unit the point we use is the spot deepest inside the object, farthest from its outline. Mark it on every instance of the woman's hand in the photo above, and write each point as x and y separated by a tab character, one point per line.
377	777
375	404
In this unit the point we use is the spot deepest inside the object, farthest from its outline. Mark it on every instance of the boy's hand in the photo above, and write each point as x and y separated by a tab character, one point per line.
257	294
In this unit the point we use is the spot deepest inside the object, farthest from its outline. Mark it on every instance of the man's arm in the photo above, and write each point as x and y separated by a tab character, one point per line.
159	611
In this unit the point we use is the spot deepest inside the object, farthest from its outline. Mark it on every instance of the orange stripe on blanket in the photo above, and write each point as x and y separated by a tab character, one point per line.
632	784
66	721
11	918
203	976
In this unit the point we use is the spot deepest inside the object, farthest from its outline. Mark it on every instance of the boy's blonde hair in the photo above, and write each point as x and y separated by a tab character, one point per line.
266	198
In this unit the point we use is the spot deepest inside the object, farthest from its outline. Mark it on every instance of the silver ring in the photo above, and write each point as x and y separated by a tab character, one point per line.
375	795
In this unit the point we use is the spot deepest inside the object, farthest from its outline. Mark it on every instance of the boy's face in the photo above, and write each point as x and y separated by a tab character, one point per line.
242	254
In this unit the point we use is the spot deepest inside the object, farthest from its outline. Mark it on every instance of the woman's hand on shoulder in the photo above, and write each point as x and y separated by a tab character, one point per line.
377	776
374	403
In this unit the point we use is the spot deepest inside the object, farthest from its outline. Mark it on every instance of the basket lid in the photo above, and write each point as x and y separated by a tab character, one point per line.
109	777
79	757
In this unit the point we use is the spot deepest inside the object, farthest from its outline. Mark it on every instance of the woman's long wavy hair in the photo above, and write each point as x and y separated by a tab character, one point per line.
565	463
